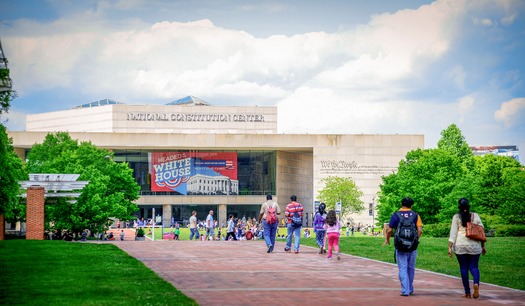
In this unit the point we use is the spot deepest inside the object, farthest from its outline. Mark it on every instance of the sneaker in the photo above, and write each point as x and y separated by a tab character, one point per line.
296	252
324	251
287	250
320	250
338	257
329	257
269	249
476	291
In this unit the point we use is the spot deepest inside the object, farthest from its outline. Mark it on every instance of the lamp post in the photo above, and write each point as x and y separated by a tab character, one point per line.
373	215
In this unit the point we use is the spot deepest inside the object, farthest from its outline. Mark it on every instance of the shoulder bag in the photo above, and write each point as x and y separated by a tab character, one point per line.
475	231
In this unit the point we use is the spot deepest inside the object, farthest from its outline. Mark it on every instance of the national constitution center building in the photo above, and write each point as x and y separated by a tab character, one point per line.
189	156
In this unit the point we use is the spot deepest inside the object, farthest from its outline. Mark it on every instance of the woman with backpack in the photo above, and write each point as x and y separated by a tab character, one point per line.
467	250
319	229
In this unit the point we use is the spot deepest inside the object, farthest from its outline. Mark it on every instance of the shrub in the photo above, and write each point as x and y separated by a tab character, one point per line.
140	232
509	230
436	230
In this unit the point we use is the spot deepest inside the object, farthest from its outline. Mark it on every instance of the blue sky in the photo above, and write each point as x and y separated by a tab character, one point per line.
353	67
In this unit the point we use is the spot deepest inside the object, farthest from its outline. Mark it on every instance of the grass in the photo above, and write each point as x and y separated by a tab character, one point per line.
65	273
504	263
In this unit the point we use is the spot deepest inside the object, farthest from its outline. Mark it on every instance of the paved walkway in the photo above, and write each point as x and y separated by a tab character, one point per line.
242	273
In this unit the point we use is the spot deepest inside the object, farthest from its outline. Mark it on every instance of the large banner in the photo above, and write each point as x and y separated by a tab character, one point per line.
194	173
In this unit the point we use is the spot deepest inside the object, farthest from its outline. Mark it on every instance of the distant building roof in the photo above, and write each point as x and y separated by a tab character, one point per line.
189	100
98	103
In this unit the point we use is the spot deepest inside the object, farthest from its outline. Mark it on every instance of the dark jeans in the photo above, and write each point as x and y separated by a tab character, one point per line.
194	232
232	234
468	263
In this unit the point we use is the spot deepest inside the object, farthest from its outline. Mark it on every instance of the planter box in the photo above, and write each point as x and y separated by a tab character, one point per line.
140	238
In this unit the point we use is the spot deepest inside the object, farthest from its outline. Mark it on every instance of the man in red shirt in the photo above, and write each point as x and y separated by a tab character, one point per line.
294	216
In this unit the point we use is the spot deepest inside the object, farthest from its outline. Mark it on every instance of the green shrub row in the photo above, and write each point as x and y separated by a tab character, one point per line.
496	230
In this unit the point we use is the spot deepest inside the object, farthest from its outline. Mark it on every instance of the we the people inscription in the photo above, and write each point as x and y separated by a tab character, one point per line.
342	167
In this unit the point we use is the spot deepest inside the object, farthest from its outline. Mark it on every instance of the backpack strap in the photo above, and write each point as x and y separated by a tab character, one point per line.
412	217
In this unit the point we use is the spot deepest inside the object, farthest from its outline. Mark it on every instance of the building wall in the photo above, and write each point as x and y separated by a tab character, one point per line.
364	159
302	160
122	118
295	177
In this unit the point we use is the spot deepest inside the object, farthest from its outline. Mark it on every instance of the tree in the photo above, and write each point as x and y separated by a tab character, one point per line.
10	173
6	92
494	181
437	178
512	209
341	189
109	194
453	141
427	176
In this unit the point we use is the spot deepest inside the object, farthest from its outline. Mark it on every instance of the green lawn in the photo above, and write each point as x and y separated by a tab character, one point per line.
65	273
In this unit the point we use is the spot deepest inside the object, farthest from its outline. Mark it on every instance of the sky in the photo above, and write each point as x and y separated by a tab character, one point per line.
330	67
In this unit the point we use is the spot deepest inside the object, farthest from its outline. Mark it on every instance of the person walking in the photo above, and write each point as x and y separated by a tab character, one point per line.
467	250
210	231
294	215
319	229
332	227
121	235
230	230
409	228
194	231
268	215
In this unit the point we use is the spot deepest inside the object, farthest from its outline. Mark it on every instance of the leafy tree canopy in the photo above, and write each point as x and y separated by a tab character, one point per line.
427	176
453	141
437	178
10	173
109	194
341	189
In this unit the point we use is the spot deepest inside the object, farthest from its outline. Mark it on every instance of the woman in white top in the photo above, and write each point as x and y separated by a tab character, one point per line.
467	250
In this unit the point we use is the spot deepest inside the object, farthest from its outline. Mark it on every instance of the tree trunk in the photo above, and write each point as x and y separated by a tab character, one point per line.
2	227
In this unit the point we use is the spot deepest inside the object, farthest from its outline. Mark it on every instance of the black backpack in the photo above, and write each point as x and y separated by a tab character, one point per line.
405	238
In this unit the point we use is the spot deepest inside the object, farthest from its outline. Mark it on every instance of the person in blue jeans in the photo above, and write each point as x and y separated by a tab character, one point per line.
270	230
194	230
294	216
406	261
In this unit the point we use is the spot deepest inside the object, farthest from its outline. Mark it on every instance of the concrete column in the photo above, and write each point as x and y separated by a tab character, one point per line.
221	214
35	213
166	215
2	227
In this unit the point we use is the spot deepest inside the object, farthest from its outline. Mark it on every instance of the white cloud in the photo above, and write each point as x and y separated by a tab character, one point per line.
353	81
511	112
509	19
465	105
458	74
173	59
